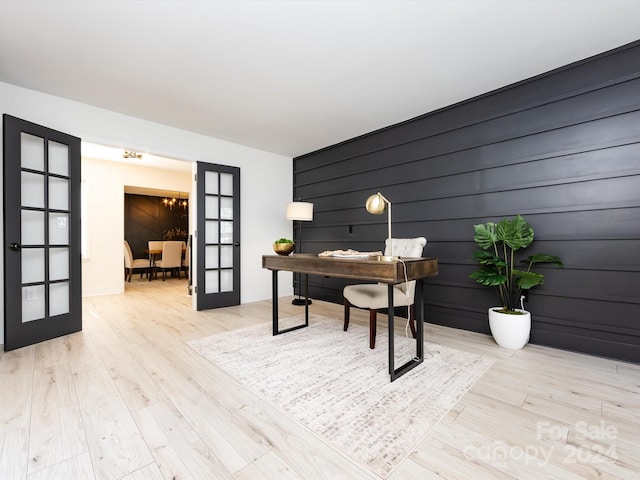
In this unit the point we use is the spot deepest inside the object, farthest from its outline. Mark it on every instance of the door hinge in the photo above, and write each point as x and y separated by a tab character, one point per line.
195	177
195	289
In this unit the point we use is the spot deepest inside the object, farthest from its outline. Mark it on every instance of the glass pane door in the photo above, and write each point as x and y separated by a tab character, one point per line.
41	174
219	238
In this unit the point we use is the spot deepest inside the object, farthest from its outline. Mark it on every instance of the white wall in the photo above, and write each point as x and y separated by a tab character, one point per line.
265	178
105	182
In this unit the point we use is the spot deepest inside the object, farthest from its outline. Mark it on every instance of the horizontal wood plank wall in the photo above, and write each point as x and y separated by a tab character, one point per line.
146	218
562	149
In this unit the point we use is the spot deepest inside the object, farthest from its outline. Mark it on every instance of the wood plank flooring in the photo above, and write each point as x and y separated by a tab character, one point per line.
127	399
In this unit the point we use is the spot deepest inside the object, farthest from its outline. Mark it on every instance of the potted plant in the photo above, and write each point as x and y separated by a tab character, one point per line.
175	233
510	325
283	246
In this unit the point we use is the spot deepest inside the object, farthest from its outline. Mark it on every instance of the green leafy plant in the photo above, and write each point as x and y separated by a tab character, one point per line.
498	243
283	240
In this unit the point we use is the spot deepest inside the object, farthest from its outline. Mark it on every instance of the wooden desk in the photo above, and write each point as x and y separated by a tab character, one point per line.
369	269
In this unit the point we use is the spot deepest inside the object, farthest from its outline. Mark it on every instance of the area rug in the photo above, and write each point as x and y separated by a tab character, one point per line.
332	383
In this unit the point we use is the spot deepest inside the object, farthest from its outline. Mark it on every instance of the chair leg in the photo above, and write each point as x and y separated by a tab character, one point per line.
129	273
372	328
347	314
412	320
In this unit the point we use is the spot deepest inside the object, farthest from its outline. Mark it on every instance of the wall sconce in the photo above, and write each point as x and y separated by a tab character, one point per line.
376	204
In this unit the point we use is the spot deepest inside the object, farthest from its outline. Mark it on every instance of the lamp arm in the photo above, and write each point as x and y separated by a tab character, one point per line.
389	226
376	204
384	198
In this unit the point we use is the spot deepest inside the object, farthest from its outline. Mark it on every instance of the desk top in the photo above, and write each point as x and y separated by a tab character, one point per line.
354	268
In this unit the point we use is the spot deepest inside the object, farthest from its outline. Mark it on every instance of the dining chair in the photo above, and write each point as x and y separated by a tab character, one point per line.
186	247
171	257
154	245
376	296
130	263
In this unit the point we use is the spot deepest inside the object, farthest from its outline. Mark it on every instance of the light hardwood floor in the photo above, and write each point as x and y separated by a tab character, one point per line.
127	399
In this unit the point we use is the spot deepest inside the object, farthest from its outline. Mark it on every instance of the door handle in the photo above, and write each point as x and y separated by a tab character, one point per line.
237	244
14	246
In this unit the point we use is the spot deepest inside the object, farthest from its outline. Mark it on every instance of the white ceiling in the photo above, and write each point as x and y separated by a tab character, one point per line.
294	76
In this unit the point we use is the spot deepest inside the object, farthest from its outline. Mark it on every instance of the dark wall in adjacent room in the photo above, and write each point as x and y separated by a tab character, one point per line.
147	218
562	149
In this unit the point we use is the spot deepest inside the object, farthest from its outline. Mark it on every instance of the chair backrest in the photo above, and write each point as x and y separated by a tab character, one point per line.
186	255
406	247
172	254
128	256
155	244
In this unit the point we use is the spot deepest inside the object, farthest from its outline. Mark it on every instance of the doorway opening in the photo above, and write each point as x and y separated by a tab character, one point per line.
115	186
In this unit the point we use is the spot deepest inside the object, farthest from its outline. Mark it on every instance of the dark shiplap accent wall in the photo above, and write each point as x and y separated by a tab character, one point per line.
562	149
146	218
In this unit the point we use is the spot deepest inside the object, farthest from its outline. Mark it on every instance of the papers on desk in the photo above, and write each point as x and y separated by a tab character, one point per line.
348	254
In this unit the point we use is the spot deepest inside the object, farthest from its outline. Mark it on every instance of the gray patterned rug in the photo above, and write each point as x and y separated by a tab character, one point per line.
332	383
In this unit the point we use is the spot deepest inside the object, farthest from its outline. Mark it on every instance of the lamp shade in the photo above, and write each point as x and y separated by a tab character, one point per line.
300	211
376	203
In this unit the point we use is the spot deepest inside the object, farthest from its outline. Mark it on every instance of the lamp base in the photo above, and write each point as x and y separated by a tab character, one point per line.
387	258
299	301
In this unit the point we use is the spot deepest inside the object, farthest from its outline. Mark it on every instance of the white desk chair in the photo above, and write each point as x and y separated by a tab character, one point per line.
376	296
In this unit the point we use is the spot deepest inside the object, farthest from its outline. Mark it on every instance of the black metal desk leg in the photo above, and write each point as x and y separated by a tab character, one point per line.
391	345
419	358
306	299
274	300
419	311
274	306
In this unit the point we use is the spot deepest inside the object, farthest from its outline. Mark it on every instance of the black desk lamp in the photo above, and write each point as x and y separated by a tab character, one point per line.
300	212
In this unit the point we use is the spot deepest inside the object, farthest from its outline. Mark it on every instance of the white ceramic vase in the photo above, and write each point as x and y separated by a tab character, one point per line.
510	331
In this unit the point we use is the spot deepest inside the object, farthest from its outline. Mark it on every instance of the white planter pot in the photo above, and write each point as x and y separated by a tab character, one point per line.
510	331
